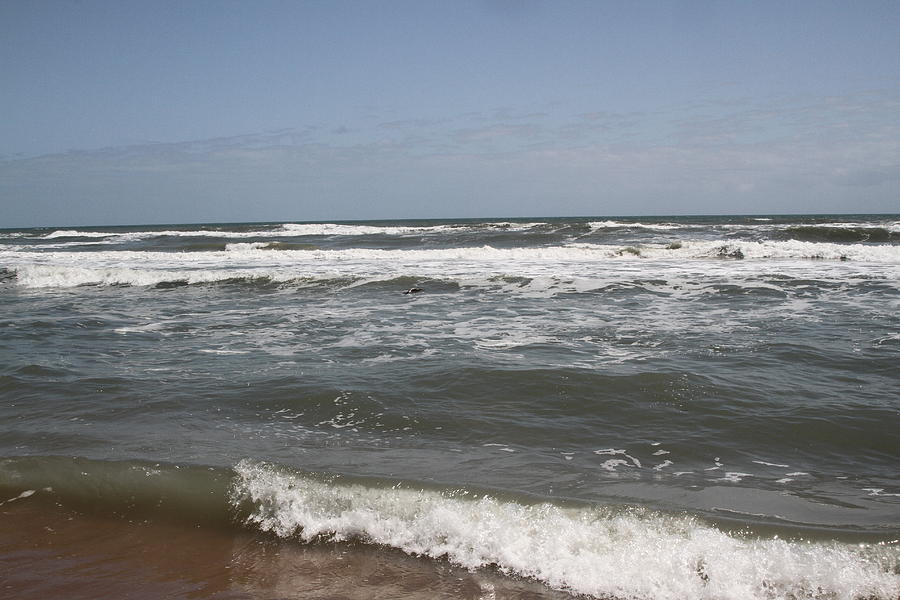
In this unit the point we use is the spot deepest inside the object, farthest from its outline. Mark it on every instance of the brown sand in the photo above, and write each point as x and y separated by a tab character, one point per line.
49	552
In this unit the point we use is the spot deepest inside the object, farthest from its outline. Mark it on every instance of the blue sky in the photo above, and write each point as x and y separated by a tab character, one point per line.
167	112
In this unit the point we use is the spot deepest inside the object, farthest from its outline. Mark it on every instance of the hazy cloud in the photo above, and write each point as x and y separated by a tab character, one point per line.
824	155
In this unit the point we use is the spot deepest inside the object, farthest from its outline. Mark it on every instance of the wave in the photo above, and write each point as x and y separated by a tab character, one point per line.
72	233
594	252
291	230
328	229
843	233
839	232
636	225
680	249
274	262
122	236
759	250
836	232
339	229
48	276
248	246
40	276
599	551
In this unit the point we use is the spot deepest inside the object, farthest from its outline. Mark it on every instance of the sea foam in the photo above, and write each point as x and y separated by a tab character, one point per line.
288	230
603	552
575	261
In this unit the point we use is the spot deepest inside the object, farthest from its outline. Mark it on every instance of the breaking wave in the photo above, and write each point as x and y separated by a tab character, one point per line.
609	552
843	234
598	551
273	261
634	225
290	230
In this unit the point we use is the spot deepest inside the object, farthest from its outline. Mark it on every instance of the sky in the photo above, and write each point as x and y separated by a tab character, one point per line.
127	112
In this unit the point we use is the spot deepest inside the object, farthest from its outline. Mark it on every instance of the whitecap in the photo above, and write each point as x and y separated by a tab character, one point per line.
596	551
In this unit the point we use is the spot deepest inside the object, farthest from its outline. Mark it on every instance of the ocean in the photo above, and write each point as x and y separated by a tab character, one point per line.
667	408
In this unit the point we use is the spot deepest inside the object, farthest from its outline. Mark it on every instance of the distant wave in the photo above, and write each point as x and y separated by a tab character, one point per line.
848	231
274	261
593	252
291	230
72	233
301	229
249	246
636	225
336	229
842	233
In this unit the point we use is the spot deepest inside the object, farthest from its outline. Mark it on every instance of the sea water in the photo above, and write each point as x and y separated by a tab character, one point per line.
653	408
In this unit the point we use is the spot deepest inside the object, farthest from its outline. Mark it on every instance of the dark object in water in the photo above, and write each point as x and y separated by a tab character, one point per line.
413	290
729	252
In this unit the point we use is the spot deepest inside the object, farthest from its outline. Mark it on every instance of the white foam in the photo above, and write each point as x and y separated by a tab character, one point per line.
605	553
289	230
878	492
789	249
633	225
337	229
328	229
75	233
70	245
529	271
735	477
246	246
286	230
892	226
138	328
508	339
615	452
613	463
46	276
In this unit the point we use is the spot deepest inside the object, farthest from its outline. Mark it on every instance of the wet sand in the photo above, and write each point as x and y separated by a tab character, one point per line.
48	551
